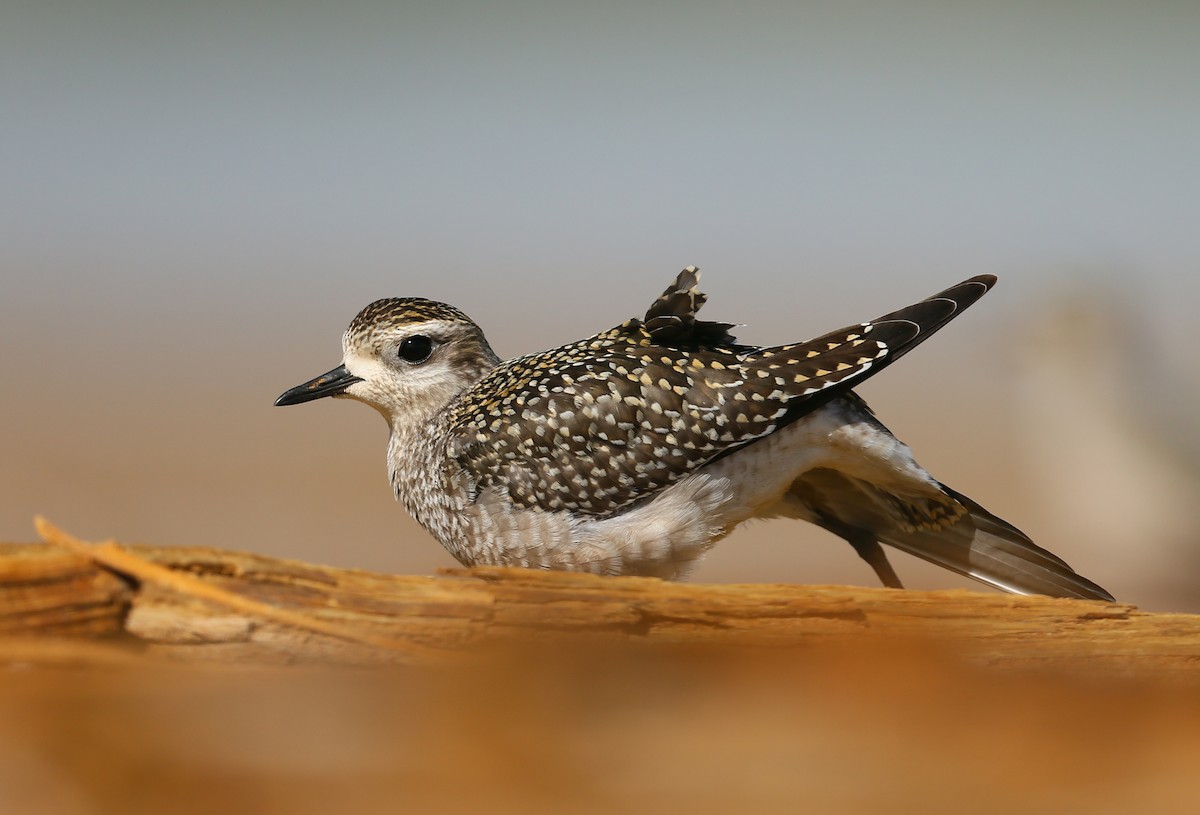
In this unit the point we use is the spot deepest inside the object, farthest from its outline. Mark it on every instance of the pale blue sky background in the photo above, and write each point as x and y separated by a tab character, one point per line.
219	152
195	199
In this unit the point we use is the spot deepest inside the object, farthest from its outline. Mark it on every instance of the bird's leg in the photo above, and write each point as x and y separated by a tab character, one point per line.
869	550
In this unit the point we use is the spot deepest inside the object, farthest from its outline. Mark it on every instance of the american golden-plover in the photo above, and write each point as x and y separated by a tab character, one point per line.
637	449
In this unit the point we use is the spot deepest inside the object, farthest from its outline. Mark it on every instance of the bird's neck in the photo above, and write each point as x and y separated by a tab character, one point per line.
423	479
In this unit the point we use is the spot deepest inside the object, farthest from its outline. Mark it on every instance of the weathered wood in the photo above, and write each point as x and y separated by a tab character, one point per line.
157	691
47	592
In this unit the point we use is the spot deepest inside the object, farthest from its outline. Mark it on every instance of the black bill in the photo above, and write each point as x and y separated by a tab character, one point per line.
327	384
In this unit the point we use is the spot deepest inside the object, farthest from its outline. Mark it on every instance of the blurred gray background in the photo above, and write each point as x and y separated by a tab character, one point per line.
197	198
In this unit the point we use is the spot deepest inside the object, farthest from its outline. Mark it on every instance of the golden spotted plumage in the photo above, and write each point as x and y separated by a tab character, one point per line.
635	450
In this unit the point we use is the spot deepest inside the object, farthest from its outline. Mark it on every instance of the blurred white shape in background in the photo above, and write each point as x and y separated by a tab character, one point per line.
1114	461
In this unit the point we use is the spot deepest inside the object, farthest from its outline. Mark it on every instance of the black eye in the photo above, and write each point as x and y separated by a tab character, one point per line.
416	348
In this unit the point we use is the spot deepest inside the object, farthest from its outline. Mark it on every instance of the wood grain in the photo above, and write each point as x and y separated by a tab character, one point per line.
323	614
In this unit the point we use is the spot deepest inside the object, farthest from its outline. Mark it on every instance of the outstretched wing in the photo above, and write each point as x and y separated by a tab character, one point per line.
828	366
609	421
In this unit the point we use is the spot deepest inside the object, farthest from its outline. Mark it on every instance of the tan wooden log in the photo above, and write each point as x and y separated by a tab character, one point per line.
287	611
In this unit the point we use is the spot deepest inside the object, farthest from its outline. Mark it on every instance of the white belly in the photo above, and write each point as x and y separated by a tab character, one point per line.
665	537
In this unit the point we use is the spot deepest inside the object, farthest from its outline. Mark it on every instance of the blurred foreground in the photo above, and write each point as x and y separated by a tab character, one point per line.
828	729
141	688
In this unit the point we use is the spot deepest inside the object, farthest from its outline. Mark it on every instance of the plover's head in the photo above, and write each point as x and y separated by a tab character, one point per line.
405	357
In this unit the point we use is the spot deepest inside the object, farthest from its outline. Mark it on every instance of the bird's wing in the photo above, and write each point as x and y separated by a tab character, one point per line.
829	366
671	319
599	425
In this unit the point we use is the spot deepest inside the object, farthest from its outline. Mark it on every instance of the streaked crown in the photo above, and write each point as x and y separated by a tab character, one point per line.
392	313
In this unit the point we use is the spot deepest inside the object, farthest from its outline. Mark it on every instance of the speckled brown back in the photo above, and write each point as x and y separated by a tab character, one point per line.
602	423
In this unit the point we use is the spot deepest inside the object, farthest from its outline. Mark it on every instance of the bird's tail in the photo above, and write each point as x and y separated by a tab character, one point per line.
942	526
989	549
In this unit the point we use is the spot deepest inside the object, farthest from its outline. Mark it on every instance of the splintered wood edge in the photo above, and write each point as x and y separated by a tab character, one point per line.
113	557
433	618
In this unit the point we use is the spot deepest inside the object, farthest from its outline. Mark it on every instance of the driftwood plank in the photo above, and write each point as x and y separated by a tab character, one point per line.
162	681
48	592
